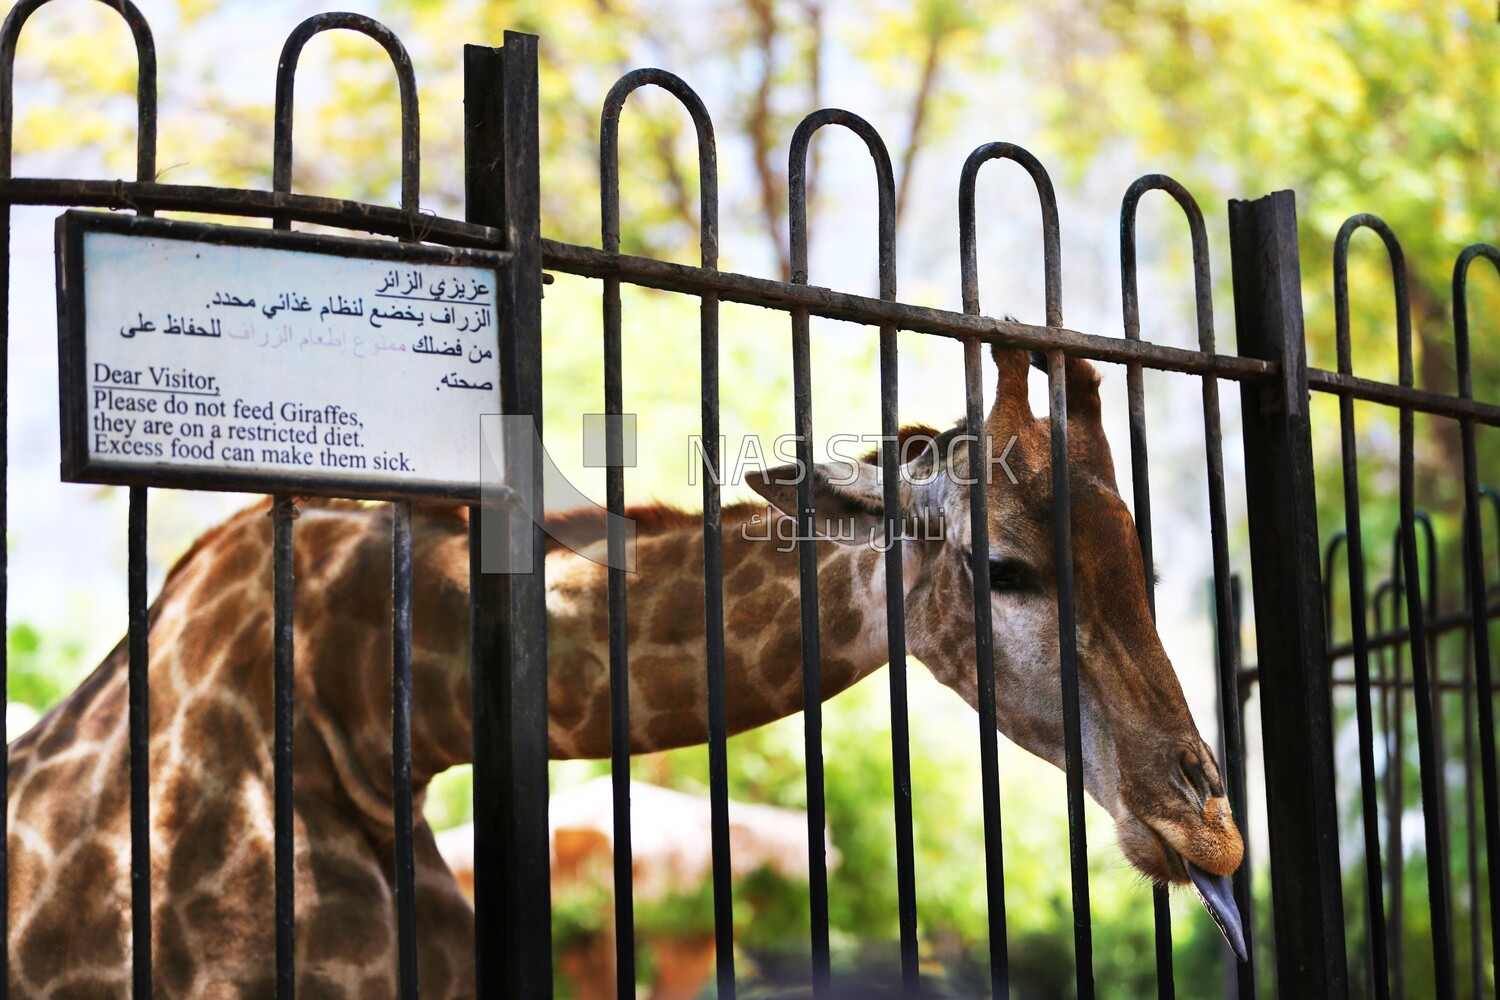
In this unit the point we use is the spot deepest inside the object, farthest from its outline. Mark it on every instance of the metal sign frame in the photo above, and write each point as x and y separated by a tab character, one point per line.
79	465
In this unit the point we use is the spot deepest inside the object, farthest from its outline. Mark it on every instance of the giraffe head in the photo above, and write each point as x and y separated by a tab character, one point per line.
1143	758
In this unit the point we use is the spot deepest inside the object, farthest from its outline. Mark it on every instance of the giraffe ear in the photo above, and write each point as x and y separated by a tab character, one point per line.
1088	448
1012	409
1087	445
848	498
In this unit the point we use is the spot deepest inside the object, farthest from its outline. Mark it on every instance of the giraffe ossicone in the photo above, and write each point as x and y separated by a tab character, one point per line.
211	641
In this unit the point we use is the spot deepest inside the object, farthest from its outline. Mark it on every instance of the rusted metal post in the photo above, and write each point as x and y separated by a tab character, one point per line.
1296	710
512	892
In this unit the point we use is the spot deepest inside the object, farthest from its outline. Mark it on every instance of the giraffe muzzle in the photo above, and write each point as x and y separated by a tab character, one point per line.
1217	896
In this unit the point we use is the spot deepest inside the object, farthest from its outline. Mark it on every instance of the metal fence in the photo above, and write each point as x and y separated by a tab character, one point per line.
509	615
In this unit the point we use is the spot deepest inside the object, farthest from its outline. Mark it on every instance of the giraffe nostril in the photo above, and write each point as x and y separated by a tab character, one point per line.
1196	777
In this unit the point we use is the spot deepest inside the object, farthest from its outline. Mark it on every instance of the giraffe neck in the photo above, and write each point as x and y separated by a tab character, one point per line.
667	649
343	697
666	638
343	655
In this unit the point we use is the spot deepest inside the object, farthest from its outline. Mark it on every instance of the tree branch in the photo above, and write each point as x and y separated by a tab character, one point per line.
814	9
758	127
665	144
920	106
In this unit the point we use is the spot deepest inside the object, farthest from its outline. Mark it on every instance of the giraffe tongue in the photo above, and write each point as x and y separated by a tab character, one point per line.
1217	897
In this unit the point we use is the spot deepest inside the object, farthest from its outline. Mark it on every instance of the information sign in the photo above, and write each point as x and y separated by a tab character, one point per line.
220	357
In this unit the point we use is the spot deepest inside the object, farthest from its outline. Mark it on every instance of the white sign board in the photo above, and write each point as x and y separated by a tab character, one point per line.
228	358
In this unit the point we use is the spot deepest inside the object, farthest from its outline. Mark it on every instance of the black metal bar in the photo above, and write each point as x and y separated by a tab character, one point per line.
1141	490
895	594
807	554
145	51
619	640
508	612
1226	644
713	529
812	675
592	262
1418	400
979	560
283	512
1492	494
1436	684
405	855
1227	632
1394	722
1374	900
140	747
1296	710
1063	552
1062	538
1378	684
890	426
1083	959
1330	552
1474	578
1237	764
1416	614
1067	646
1383	638
382	220
138	628
984	642
286	72
1471	813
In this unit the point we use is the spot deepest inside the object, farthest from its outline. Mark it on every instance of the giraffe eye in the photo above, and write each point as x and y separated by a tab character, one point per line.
1011	576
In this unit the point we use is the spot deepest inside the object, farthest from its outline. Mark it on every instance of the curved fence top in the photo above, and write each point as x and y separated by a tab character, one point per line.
609	159
145	54
286	73
885	192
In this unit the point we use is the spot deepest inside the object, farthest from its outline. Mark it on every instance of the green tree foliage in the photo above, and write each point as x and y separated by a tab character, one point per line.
41	669
1386	107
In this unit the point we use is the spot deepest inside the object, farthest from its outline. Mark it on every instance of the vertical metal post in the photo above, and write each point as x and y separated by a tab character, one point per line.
1239	977
139	701
979	563
283	513
1135	393
1296	711
617	597
1067	652
1375	932
138	696
984	635
1393	708
812	663
512	892
401	664
888	459
1225	646
713	554
1478	599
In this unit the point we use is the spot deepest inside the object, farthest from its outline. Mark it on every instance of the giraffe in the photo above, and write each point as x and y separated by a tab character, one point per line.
211	776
